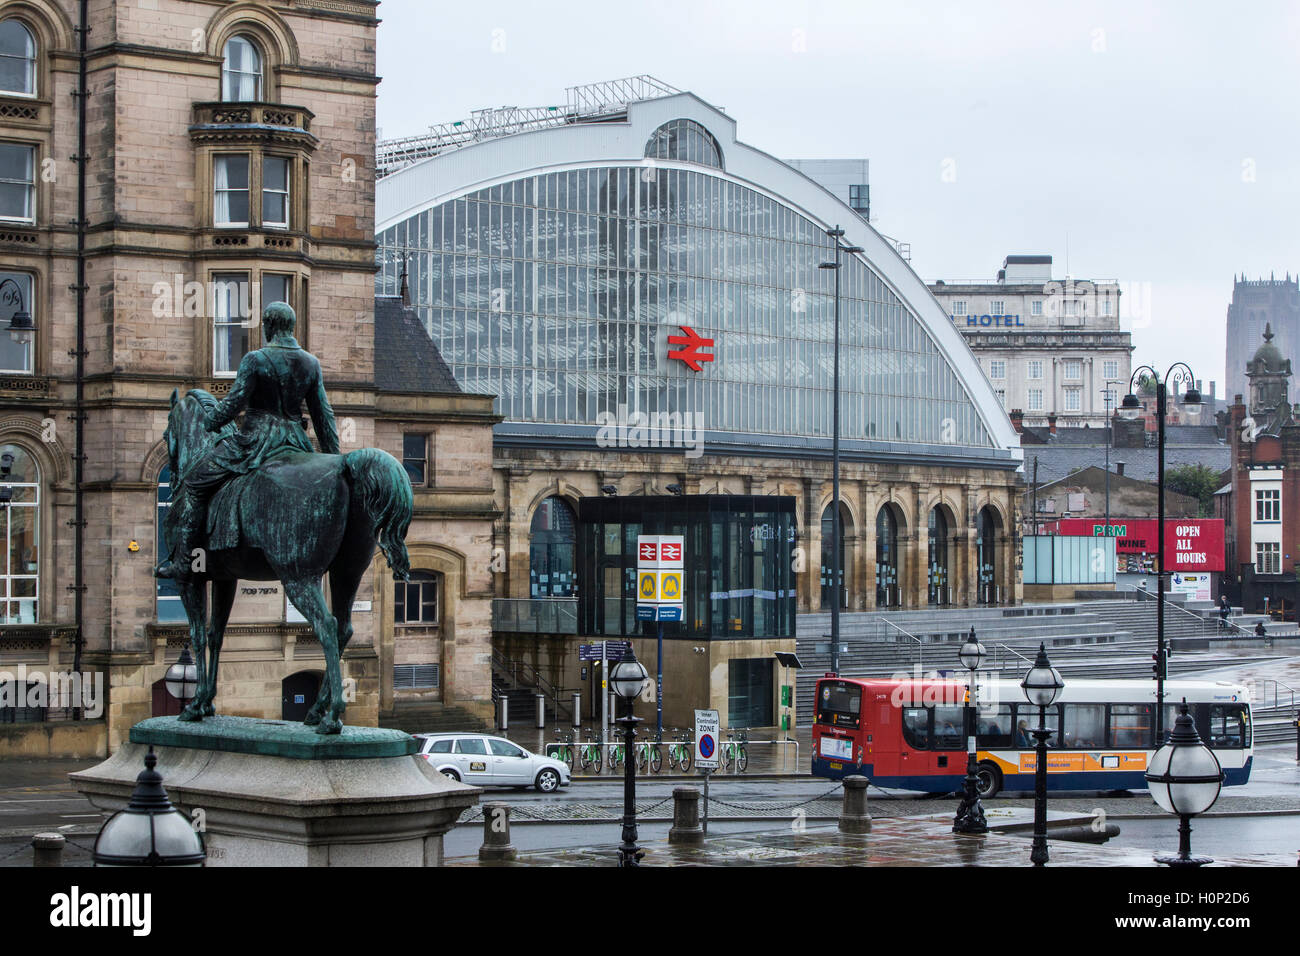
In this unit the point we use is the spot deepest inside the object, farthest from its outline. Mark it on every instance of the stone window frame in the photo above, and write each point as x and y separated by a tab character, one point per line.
432	579
32	304
428	436
35	61
33	185
254	270
257	155
258	46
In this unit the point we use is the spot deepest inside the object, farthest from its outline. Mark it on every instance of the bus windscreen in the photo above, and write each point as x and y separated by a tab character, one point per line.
839	704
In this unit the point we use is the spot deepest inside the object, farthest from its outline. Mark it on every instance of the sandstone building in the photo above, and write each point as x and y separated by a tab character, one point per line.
221	158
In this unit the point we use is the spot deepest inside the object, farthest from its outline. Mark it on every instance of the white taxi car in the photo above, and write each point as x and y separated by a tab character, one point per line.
482	760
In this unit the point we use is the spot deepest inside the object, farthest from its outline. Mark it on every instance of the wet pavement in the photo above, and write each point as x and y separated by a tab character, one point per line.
892	842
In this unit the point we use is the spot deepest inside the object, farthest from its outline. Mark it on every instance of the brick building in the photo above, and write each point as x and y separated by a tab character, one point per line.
222	159
1262	503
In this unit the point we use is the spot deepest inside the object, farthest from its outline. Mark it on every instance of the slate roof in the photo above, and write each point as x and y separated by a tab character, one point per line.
406	360
1057	461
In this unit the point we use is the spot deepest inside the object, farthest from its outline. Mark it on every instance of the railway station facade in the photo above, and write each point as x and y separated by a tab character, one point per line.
641	292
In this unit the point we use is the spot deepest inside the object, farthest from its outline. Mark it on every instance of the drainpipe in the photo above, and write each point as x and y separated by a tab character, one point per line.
79	415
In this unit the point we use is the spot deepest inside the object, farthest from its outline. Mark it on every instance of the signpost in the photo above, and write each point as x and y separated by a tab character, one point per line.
604	651
660	570
706	753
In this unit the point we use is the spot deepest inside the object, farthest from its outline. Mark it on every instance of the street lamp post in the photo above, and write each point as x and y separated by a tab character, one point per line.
836	234
1185	778
1131	409
150	831
629	678
1042	685
970	814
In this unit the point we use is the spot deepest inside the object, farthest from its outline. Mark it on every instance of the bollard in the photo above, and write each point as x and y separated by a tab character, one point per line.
577	710
503	713
853	816
541	711
686	817
47	849
496	834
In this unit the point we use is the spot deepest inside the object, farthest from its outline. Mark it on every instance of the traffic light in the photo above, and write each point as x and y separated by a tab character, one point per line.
1155	668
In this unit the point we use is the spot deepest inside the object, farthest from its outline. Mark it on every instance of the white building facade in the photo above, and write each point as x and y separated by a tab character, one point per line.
1052	348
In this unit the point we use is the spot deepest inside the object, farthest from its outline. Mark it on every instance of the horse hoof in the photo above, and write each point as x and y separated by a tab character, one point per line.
331	726
190	714
312	719
209	710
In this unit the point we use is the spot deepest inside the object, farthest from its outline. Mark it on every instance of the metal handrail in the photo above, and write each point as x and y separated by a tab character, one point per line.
540	683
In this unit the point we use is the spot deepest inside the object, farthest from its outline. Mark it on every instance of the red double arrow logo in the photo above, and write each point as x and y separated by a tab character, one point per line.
692	342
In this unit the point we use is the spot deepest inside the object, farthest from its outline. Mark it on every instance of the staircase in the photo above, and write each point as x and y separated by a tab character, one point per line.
518	683
1095	638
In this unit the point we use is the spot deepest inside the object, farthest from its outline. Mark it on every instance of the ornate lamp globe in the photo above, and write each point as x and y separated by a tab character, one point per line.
972	653
1184	775
1193	404
21	329
1130	408
182	678
1043	684
628	677
150	831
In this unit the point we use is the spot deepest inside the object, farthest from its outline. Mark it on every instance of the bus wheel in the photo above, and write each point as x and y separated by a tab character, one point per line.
988	780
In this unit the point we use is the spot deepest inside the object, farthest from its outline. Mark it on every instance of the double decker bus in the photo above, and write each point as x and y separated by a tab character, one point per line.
909	734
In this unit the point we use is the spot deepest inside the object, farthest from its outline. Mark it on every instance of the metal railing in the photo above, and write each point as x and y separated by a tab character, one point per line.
555	615
526	677
615	740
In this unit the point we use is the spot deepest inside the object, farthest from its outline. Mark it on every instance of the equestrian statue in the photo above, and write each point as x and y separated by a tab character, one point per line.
256	501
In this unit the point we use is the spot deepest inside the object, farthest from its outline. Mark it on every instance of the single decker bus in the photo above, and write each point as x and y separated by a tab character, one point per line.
909	734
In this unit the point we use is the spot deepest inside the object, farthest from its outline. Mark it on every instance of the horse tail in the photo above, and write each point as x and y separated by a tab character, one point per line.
386	495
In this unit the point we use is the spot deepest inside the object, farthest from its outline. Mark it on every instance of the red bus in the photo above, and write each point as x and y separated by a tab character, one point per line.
909	734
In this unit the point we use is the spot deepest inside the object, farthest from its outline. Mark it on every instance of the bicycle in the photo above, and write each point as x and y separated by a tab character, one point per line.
615	755
589	755
733	752
648	752
679	752
564	751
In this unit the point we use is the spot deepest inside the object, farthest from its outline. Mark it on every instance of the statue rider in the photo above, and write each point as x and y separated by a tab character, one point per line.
269	389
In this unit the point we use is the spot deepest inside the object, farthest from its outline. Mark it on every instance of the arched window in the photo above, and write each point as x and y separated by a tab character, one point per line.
938	592
684	140
21	492
887	594
415	602
241	71
828	554
17	59
170	608
986	556
550	550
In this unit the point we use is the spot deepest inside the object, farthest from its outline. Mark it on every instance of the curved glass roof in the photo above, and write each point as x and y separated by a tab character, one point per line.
558	291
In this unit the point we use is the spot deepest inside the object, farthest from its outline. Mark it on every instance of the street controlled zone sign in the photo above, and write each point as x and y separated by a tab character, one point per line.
706	739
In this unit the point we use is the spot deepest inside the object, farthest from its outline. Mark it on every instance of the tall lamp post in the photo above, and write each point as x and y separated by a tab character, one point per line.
1185	778
629	679
1131	409
1109	398
970	814
1042	685
836	235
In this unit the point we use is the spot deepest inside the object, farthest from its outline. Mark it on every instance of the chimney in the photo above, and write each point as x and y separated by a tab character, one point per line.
1119	468
1051	423
1018	420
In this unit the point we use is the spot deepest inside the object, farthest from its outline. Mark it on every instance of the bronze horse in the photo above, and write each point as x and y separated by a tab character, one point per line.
297	518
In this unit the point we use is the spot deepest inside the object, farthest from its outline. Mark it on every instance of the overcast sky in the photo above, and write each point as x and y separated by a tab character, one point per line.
1158	141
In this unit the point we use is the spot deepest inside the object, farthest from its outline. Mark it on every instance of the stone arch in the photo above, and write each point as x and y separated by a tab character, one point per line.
28	433
890	532
275	39
50	27
154	462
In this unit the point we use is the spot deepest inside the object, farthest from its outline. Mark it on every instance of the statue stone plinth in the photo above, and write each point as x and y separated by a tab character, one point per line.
275	793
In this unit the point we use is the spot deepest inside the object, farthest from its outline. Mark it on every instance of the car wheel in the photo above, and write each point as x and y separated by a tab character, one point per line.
548	781
988	780
452	774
